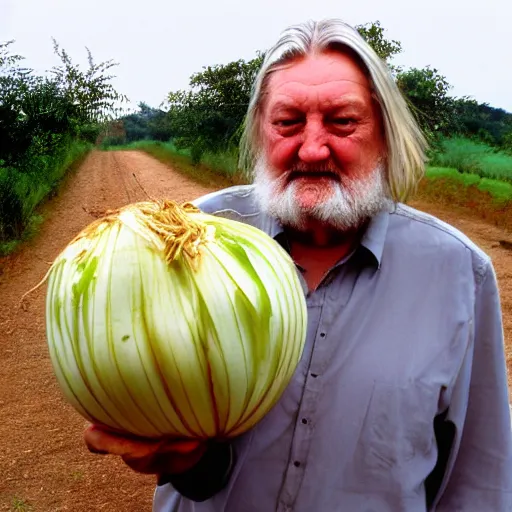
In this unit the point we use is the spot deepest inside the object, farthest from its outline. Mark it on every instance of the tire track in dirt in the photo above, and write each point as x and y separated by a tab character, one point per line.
42	458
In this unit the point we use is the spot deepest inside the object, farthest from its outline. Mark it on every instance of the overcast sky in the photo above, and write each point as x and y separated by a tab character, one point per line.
159	44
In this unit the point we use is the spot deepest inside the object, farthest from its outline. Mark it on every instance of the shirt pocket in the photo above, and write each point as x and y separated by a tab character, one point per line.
393	452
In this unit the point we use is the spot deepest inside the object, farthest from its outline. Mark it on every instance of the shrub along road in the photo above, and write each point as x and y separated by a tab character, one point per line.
44	465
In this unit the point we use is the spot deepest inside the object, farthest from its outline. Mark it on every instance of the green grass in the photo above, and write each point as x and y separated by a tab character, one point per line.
473	157
30	230
20	505
77	475
214	169
500	191
23	190
226	162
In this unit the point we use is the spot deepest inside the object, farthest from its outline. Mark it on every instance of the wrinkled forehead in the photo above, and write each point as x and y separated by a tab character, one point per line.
328	73
327	96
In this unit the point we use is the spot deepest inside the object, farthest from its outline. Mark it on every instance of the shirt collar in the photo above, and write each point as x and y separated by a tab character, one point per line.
375	234
373	239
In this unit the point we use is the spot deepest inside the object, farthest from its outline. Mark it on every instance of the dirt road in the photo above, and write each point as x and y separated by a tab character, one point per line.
42	459
44	466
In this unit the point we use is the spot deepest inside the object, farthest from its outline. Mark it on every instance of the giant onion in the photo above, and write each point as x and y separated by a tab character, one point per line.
165	321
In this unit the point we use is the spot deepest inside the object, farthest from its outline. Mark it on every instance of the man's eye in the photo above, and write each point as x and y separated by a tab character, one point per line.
343	121
287	122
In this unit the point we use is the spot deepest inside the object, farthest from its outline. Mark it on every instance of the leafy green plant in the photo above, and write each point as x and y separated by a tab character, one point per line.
373	34
427	93
20	505
208	117
46	124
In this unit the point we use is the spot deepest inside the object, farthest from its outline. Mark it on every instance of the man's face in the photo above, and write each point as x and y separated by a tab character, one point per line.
322	145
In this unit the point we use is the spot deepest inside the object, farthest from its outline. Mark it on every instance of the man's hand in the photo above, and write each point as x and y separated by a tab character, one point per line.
146	456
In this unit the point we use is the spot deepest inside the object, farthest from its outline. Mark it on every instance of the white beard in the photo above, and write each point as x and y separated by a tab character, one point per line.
353	202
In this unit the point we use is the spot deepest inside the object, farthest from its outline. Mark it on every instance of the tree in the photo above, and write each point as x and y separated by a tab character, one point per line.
373	34
427	93
482	121
92	91
41	118
34	114
507	142
208	117
147	123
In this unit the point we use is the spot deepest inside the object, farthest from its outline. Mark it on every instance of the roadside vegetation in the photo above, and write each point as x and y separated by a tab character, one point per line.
48	124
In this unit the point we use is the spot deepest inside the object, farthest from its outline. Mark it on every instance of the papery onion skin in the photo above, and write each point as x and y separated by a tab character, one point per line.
157	328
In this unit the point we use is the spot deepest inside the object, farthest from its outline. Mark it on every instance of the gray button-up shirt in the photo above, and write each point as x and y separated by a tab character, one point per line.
405	329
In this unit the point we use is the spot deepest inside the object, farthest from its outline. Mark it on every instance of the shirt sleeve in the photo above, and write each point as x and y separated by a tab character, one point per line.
208	477
479	472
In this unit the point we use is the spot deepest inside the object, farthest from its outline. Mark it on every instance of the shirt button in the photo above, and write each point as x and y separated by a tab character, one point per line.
322	335
296	463
304	421
314	375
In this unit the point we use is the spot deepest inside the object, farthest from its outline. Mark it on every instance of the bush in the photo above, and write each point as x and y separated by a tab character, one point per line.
22	191
46	124
11	205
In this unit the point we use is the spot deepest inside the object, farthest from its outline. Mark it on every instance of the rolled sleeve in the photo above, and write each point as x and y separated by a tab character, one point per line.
480	473
207	478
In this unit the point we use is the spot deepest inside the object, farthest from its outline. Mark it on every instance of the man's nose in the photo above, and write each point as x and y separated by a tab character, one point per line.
314	146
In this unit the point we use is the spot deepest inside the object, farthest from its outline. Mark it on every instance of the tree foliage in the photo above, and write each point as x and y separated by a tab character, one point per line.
208	117
427	93
373	34
38	113
43	120
91	91
146	124
489	124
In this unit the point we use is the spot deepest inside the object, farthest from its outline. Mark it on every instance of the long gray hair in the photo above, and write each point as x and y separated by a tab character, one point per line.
405	156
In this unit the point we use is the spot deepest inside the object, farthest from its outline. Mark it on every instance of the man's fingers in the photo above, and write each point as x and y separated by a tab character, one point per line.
101	441
181	447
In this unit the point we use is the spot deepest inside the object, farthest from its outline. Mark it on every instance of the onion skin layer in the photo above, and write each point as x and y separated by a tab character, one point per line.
163	321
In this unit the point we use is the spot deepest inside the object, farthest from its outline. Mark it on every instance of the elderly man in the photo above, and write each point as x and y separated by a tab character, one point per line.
400	401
